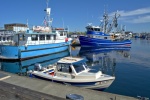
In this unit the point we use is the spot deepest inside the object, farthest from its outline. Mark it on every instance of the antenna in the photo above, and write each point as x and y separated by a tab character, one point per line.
63	22
105	19
48	21
105	9
47	3
27	23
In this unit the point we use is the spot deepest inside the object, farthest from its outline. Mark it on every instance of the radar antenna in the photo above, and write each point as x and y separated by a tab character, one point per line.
48	20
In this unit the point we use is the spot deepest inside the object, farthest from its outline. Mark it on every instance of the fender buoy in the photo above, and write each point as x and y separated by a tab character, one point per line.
52	73
66	39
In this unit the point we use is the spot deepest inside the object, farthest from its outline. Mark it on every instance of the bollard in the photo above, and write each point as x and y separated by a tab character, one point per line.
74	97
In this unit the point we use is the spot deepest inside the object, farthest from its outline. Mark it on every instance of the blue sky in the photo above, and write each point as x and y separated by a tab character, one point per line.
76	14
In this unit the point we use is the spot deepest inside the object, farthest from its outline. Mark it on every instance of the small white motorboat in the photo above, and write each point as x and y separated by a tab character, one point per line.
73	71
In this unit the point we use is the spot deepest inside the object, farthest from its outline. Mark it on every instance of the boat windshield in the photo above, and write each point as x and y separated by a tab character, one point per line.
79	67
85	65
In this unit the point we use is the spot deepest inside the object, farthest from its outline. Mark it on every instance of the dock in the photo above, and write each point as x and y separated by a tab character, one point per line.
15	87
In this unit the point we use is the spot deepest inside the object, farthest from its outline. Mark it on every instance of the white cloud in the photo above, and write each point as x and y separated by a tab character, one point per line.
133	15
144	19
133	12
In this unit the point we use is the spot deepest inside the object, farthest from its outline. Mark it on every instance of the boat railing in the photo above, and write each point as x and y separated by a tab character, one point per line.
6	43
40	42
29	42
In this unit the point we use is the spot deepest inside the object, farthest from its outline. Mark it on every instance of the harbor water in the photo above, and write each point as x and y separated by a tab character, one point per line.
130	66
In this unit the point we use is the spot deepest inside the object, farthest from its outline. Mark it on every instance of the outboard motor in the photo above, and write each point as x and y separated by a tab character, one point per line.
37	67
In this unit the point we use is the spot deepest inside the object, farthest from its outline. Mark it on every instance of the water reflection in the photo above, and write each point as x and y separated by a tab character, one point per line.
21	67
104	59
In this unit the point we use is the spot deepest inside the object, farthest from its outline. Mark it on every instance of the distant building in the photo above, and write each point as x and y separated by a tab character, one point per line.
128	32
17	27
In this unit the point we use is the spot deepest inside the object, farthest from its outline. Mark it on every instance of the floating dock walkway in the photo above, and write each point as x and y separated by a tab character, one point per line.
15	87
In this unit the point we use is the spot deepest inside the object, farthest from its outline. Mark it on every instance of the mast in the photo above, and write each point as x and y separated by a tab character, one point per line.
116	19
114	22
47	21
105	22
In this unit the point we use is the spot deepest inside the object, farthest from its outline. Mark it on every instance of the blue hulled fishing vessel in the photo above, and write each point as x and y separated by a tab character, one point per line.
105	35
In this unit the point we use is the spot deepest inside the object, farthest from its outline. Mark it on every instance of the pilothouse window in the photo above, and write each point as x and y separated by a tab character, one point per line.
34	37
61	33
90	29
42	37
79	67
97	29
64	68
8	39
3	38
54	37
48	37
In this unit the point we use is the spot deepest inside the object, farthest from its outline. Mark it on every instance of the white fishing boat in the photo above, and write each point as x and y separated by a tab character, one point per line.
73	71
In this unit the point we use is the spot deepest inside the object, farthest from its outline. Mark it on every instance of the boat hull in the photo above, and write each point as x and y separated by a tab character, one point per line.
31	51
95	85
94	42
21	67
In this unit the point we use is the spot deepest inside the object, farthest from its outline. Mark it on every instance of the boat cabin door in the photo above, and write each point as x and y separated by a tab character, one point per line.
21	39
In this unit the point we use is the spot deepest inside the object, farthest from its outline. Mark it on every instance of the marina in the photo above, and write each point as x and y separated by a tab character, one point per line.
129	66
73	60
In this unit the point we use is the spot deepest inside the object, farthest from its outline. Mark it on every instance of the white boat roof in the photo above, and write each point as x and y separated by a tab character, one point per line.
93	27
70	60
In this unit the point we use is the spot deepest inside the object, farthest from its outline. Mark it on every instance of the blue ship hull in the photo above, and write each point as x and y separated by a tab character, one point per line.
31	51
94	42
21	67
